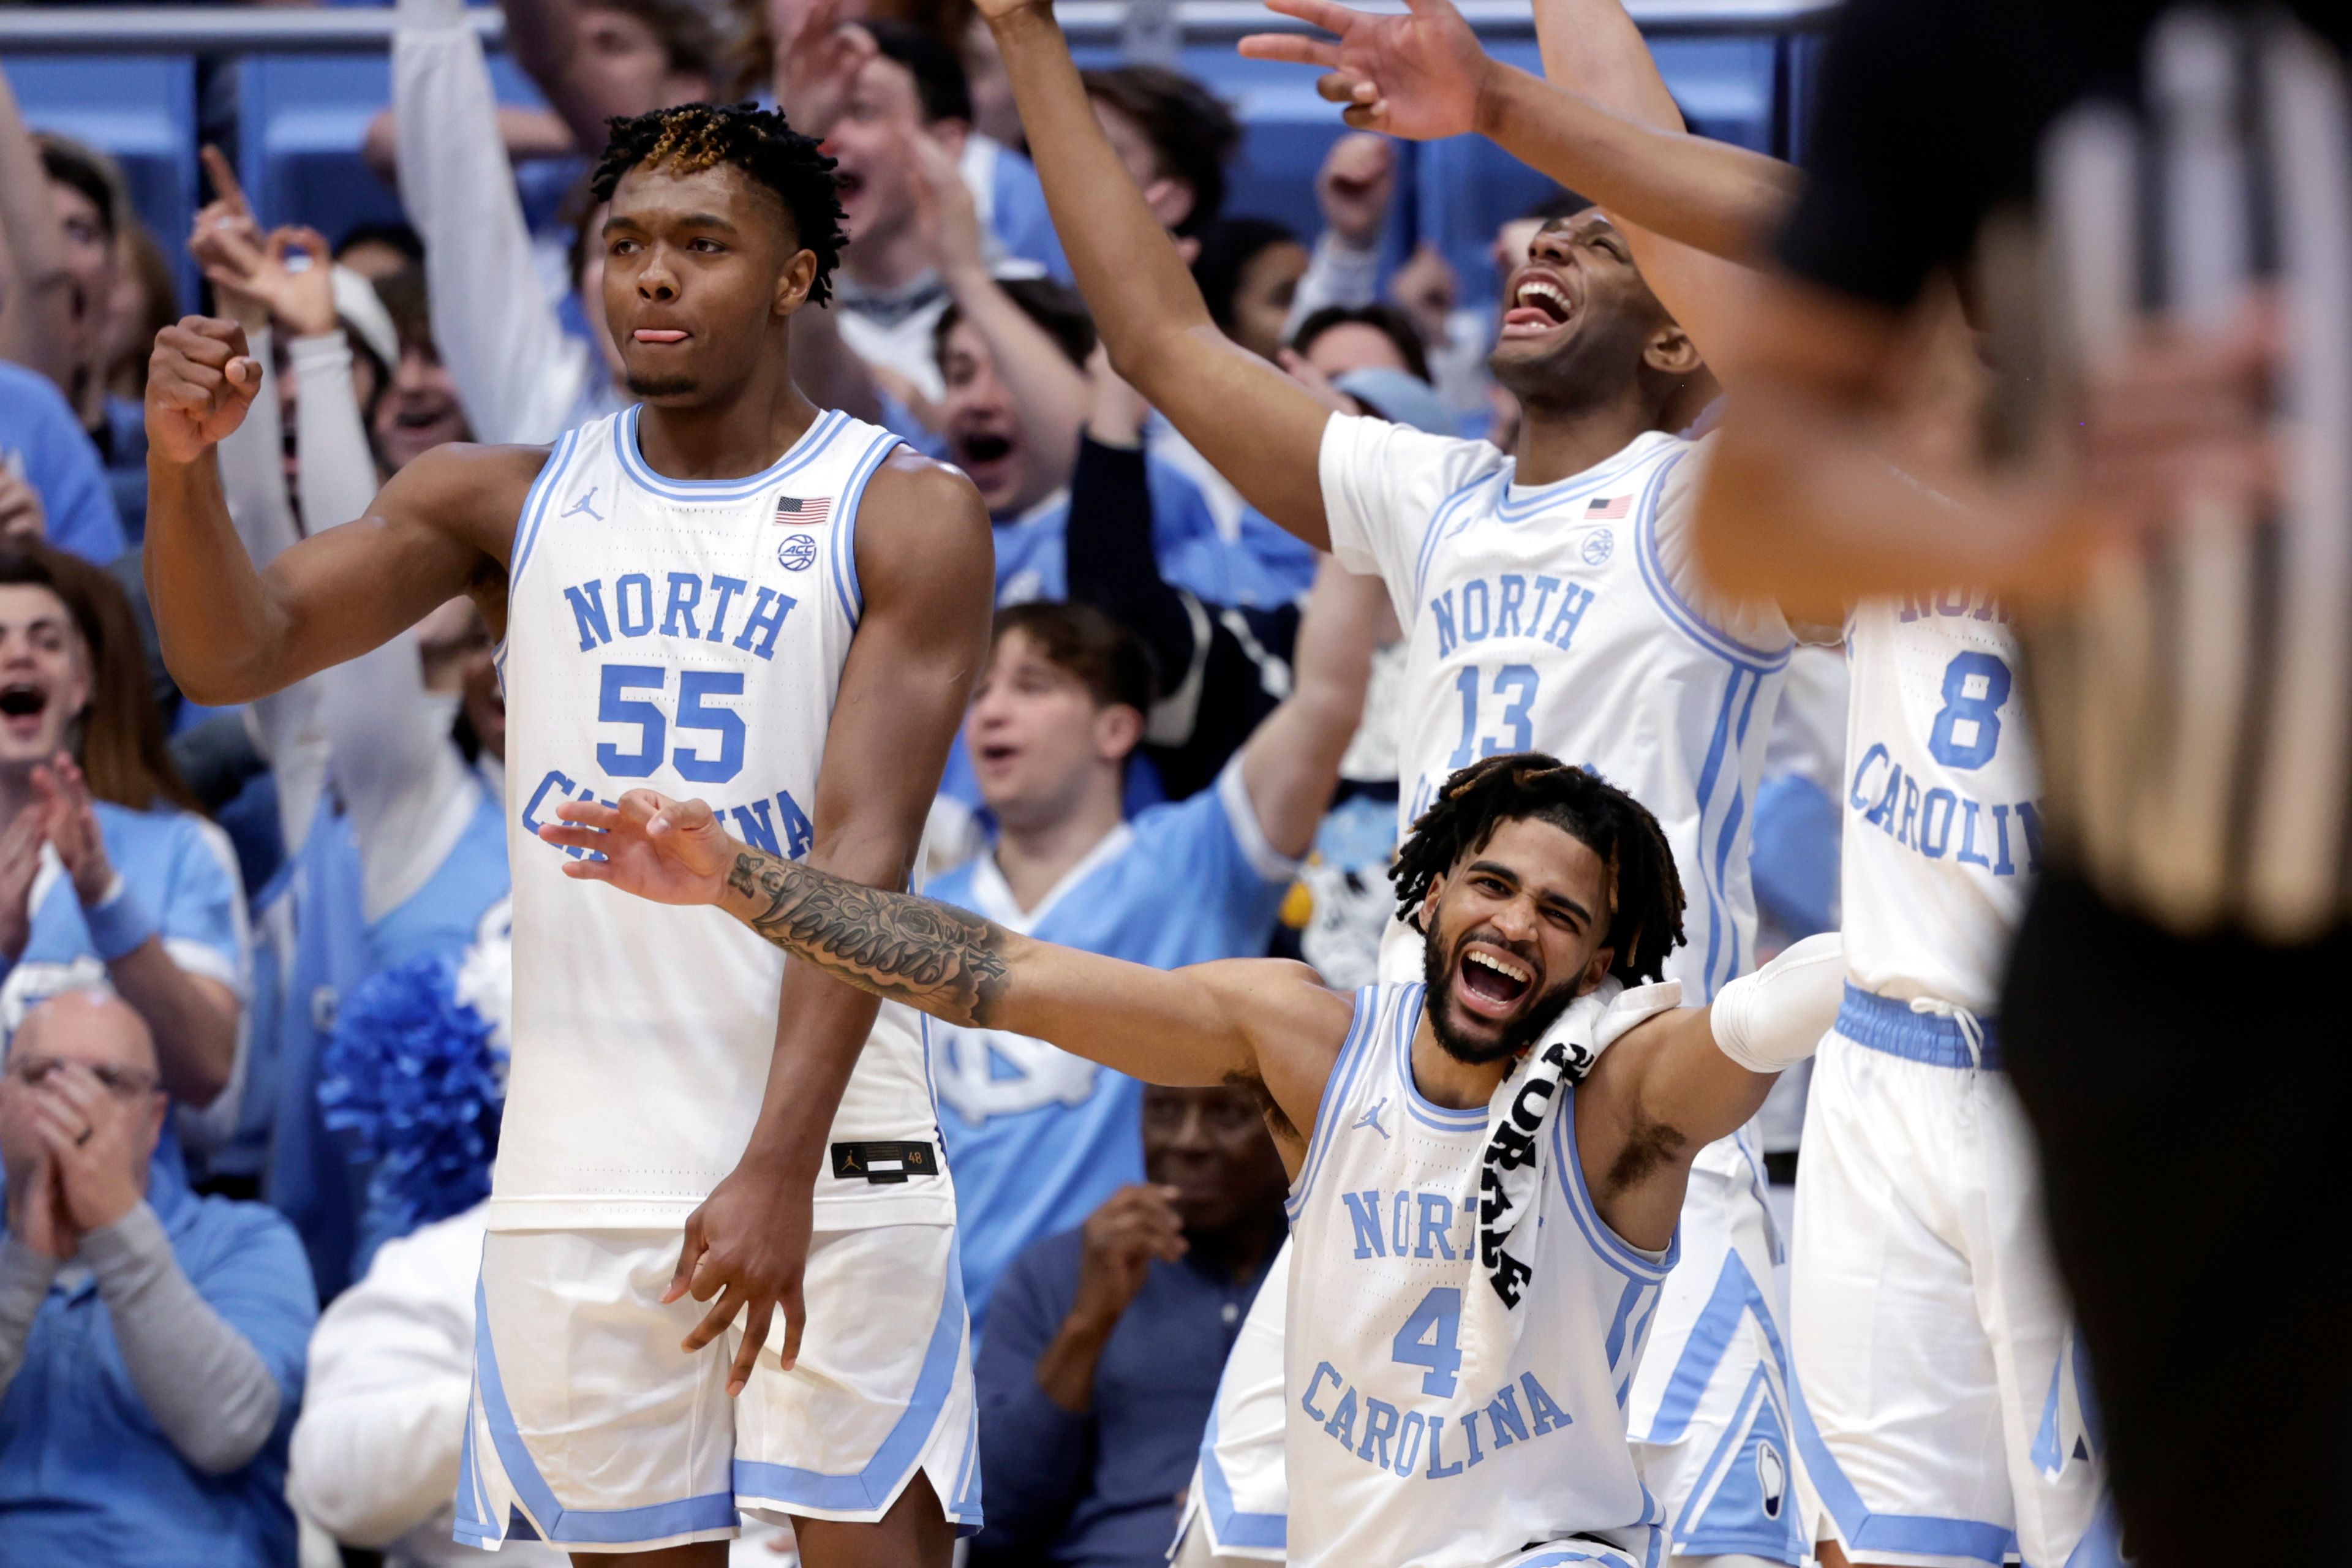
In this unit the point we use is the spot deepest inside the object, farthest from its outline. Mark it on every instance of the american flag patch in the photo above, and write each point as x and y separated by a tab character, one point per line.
804	512
1616	506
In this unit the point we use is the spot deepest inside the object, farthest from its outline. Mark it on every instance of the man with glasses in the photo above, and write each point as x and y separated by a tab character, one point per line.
151	1341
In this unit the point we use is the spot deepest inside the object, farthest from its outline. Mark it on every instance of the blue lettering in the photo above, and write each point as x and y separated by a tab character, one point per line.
751	824
1441	609
798	834
1470	1430
1968	856
1400	1223
1572	605
728	588
1342	1424
1910	609
1877	753
1881	816
1910	813
1545	588
588	610
1506	614
1503	1415
1540	1408
1364	1214
1379	1425
2004	867
1935	838
2031	820
1323	1369
1944	604
1474	632
684	594
1407	1443
560	785
642	586
767	615
1438	1469
1436	1218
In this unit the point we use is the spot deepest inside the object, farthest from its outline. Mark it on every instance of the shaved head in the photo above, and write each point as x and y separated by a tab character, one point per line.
88	1025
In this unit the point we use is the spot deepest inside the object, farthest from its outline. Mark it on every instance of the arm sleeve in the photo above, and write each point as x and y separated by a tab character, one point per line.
1111	562
1216	854
215	1366
1339	274
518	372
1382	485
202	920
376	1449
1034	1456
25	1276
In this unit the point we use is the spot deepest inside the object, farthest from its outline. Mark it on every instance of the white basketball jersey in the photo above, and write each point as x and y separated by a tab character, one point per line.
1943	832
1565	618
1398	1453
687	636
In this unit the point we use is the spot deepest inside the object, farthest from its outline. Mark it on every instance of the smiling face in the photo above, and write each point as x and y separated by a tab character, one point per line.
1039	740
1514	934
698	270
870	143
45	678
986	437
1578	320
418	411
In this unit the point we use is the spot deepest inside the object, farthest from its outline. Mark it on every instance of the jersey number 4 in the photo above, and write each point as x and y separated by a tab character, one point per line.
624	698
1427	1340
1967	727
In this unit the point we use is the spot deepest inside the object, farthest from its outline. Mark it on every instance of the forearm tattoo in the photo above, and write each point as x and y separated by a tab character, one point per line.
937	960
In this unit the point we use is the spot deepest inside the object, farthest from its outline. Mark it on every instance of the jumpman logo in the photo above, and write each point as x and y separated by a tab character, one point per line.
576	508
1371	1118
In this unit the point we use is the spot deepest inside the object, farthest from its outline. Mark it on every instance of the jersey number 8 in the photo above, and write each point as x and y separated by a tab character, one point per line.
1968	729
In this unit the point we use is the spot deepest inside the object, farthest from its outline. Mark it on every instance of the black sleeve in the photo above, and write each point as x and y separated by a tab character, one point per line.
1110	560
1920	121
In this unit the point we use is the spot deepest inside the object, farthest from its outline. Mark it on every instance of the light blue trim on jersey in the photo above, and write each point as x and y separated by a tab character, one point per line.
1736	1292
1615	1343
603	1526
1727	835
844	554
2101	1545
1758	1535
1722	746
1568	1168
789	1486
800	454
1345	1067
1424	1109
1864	1531
1662	589
1883	1024
1614	1558
1576	487
1232	1526
535	503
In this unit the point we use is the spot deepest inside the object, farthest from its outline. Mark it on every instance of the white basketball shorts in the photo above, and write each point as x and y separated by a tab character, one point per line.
1708	1411
1239	1503
591	1428
1941	1420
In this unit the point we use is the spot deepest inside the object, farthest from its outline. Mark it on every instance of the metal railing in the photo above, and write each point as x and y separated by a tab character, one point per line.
209	30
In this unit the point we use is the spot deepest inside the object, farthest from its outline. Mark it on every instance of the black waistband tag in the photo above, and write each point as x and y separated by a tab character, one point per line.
884	1162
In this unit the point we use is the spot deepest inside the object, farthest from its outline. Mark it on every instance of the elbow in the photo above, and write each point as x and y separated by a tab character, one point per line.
231	1445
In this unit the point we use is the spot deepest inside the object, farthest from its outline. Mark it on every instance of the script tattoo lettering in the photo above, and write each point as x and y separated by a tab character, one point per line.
905	949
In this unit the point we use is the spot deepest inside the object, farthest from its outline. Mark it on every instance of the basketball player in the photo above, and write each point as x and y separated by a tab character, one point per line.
737	592
1478	1238
1549	603
1939	1410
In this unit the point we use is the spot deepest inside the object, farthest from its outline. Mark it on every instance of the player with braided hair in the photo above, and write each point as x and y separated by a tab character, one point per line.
725	588
1488	1429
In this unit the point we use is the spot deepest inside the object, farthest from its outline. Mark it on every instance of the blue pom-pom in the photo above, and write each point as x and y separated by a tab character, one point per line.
411	1077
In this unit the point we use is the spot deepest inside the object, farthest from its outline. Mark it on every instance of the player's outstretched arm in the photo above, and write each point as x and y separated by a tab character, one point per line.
1291	764
1683	1078
231	633
1209	1023
1256	425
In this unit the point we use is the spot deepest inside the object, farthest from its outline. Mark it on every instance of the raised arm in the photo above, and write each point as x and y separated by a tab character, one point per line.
1683	1078
1253	423
1291	765
232	633
35	290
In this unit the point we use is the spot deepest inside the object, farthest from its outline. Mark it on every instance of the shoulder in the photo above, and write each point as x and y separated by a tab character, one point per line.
25	394
469	489
911	487
923	530
250	1244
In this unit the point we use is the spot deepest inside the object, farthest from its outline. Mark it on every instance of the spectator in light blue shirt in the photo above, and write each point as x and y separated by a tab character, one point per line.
45	449
1036	1138
152	1342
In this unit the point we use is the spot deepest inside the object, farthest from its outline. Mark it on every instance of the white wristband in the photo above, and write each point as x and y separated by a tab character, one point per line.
1774	1018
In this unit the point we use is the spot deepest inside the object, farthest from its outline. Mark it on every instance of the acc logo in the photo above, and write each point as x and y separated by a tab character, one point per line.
1597	546
797	552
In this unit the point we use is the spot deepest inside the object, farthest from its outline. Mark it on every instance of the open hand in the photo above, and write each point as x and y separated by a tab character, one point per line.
672	852
23	517
72	826
1419	76
944	207
20	862
200	381
820	49
1353	187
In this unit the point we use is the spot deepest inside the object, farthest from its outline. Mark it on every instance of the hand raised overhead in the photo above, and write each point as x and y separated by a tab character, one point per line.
1419	75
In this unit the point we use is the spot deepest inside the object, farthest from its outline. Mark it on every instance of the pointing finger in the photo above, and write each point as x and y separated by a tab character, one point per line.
223	179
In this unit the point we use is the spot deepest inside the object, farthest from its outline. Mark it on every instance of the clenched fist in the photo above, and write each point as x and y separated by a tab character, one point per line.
200	382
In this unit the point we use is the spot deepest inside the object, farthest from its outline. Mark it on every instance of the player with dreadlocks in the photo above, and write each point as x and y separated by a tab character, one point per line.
722	589
1466	1159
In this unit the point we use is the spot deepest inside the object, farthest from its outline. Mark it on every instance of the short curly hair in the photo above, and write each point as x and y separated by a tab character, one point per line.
692	137
1646	917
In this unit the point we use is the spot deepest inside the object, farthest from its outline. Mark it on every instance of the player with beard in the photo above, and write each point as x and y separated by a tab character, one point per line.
1552	601
728	587
1487	1168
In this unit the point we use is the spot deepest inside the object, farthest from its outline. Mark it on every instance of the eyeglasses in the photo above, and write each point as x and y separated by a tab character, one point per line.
123	1083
